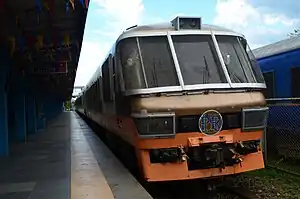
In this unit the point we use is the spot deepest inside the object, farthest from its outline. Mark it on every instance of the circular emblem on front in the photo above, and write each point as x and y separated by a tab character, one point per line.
210	122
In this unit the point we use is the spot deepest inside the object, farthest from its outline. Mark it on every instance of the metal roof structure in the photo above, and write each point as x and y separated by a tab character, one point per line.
167	26
279	47
44	38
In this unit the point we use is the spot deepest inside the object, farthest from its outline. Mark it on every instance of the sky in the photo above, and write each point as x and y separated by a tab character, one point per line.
261	21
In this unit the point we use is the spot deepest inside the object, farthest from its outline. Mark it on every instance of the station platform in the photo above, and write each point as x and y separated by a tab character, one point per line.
66	160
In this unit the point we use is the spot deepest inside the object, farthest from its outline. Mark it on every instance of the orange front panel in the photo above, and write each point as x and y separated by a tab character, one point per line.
179	171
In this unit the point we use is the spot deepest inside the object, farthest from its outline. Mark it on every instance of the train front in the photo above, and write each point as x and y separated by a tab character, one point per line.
197	103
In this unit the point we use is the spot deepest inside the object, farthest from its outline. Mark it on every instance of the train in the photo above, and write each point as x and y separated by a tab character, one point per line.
181	99
280	65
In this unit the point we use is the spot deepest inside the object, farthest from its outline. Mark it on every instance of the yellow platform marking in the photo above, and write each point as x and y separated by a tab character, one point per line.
87	179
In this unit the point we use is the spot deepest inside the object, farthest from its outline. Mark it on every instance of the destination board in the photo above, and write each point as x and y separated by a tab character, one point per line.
61	67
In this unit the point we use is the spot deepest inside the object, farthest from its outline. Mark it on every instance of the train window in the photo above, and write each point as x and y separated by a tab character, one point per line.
100	93
158	62
115	78
99	101
253	62
106	81
238	66
269	92
295	82
198	59
131	64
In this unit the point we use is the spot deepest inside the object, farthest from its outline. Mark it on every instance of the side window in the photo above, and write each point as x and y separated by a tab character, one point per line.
99	94
270	83
106	82
295	82
112	76
115	78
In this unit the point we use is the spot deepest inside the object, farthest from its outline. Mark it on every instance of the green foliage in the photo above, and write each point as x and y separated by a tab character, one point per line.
68	105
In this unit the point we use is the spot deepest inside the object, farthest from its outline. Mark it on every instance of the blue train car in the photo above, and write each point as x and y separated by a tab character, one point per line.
280	64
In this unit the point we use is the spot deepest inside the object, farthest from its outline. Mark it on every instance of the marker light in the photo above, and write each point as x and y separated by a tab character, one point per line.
182	23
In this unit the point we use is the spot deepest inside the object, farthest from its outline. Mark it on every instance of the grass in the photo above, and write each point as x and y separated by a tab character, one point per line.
274	173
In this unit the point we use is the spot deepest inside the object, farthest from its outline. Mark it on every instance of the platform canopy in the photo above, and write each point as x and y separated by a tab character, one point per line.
44	39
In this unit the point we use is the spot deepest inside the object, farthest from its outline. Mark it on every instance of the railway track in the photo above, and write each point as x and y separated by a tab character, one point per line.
241	193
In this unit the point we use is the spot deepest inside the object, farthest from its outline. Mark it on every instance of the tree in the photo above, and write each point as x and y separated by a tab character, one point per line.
68	105
295	33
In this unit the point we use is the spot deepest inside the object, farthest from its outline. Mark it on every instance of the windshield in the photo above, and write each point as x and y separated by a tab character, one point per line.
239	60
198	59
148	63
238	65
131	64
254	65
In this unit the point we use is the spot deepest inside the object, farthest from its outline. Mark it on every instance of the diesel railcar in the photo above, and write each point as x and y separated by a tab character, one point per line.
185	98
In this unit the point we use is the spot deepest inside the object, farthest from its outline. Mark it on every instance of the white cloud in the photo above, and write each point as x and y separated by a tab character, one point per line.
120	14
235	13
259	27
271	19
117	15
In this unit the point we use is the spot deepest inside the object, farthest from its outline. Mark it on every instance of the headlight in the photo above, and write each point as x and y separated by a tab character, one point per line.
254	118
155	125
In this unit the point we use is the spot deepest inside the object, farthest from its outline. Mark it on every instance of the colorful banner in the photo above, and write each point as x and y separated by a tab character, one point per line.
38	5
61	67
39	42
86	3
67	40
67	6
82	3
72	3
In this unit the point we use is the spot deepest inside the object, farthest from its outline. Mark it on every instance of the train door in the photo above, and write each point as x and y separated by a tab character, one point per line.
295	82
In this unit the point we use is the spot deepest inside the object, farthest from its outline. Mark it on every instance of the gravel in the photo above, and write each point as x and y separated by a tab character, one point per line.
270	184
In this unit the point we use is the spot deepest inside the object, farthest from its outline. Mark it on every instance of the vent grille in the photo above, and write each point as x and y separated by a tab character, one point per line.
186	124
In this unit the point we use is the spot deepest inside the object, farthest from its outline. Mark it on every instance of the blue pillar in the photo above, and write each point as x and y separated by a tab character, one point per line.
52	109
4	145
31	114
19	110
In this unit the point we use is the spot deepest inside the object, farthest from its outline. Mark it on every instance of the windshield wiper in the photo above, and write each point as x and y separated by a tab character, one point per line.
206	77
154	73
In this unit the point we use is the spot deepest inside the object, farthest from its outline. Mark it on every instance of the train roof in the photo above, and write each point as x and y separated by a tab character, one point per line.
167	26
276	48
155	28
